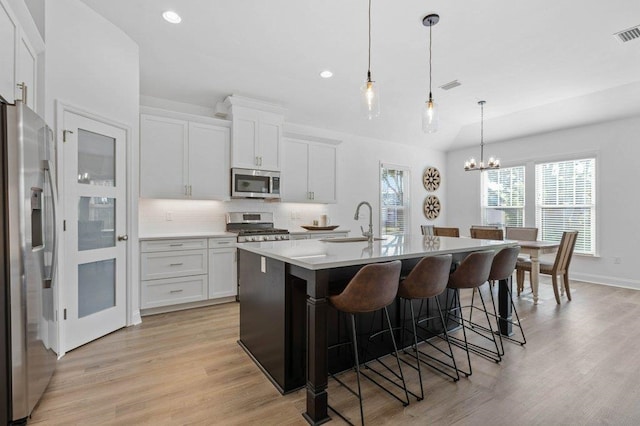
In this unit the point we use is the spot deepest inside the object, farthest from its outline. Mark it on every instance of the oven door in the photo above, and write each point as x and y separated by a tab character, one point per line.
246	183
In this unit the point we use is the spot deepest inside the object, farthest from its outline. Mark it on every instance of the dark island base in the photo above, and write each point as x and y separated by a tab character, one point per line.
273	321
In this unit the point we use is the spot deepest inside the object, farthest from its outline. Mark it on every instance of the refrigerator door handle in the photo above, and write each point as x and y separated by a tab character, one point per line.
54	202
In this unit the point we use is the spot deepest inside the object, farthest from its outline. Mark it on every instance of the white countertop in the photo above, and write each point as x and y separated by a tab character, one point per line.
174	235
305	232
317	254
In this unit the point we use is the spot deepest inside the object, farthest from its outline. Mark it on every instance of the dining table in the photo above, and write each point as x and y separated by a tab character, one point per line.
535	249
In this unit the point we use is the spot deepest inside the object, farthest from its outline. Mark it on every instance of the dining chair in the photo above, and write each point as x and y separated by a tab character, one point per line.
521	233
487	233
485	226
446	232
560	266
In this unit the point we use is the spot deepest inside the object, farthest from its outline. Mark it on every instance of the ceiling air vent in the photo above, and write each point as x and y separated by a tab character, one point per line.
450	85
628	35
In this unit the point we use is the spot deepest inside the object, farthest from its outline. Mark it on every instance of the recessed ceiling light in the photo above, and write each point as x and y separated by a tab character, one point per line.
171	16
326	74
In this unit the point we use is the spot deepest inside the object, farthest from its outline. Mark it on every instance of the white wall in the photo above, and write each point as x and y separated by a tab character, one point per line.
358	180
617	148
92	65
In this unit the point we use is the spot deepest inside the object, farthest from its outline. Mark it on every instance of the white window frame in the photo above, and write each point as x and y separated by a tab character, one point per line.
484	198
593	206
406	202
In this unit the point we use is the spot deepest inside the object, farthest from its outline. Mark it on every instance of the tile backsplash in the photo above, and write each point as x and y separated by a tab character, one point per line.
174	216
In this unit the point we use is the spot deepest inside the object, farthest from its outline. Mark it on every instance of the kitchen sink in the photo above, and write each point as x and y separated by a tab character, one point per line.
348	239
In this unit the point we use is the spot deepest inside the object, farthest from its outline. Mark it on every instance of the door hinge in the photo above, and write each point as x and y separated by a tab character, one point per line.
64	135
64	313
64	225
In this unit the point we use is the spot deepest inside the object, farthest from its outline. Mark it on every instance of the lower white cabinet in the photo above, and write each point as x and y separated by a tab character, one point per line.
223	273
175	271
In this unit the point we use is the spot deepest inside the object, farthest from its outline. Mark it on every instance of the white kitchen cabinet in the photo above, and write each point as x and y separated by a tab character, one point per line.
183	159
173	272
256	133
223	280
18	59
308	172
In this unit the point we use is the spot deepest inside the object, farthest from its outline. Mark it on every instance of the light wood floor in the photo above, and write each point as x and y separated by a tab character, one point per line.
581	366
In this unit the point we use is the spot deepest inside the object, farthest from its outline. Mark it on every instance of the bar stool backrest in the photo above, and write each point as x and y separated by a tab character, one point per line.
427	279
373	287
473	271
446	232
521	233
504	263
487	233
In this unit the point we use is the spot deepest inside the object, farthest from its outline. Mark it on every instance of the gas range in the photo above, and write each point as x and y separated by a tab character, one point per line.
254	226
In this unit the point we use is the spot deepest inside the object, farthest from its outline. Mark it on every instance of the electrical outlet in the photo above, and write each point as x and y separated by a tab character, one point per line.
169	216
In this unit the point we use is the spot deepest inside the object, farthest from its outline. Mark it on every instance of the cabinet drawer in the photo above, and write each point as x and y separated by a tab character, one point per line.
172	291
222	242
169	264
173	245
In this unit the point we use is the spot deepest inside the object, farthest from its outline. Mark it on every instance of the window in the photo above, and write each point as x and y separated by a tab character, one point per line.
503	196
394	200
566	201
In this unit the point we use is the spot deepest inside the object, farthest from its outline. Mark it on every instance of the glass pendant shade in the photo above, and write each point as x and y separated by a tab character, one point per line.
370	99
430	117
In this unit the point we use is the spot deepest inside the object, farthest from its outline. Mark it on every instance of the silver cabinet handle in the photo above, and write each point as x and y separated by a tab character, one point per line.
257	160
23	88
223	242
124	237
186	190
176	245
176	291
176	264
190	190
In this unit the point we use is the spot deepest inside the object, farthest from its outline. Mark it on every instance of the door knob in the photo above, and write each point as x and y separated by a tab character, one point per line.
123	237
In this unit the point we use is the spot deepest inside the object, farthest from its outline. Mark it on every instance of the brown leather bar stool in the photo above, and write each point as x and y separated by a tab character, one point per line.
504	263
374	287
472	272
428	279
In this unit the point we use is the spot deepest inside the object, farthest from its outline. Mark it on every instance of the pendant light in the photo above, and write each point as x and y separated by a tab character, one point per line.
429	110
493	163
370	91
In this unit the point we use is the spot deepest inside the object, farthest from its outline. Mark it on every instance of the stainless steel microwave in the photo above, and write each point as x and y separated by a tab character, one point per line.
247	183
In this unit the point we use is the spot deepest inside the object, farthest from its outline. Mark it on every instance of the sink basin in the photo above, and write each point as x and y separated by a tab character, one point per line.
348	239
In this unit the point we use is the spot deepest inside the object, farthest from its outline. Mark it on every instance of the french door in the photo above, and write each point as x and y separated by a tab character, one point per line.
95	190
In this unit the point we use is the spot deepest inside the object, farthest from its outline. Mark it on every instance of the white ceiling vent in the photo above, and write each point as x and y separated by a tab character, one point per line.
450	85
629	34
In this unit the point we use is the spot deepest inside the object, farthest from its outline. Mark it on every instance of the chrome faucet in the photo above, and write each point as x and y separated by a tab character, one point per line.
368	234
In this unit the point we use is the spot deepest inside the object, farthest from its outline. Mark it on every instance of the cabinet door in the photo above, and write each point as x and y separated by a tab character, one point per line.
322	173
26	71
269	133
223	280
295	171
245	136
163	162
208	169
8	36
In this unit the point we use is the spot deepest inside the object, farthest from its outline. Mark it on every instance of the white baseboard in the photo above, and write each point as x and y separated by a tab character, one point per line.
136	318
604	280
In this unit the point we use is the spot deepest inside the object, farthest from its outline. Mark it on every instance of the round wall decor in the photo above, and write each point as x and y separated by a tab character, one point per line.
431	207
431	179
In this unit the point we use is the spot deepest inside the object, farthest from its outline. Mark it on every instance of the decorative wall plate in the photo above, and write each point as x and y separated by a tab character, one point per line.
431	179
431	207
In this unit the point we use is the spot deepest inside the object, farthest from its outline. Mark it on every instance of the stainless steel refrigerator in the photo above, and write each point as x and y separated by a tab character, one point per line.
28	331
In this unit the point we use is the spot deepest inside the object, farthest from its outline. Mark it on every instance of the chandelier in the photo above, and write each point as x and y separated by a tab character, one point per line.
471	164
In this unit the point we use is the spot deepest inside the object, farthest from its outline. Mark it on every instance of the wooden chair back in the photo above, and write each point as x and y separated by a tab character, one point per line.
446	232
487	233
565	252
521	233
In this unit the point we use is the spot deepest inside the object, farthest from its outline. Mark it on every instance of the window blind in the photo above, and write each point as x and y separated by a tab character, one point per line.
503	196
394	202
566	201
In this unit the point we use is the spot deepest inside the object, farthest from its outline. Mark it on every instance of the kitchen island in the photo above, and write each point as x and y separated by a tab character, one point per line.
284	286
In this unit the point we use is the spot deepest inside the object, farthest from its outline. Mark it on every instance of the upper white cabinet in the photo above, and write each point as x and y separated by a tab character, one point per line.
19	49
256	133
183	159
308	172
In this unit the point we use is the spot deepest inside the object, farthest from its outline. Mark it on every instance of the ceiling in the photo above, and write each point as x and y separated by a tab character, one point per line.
541	66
